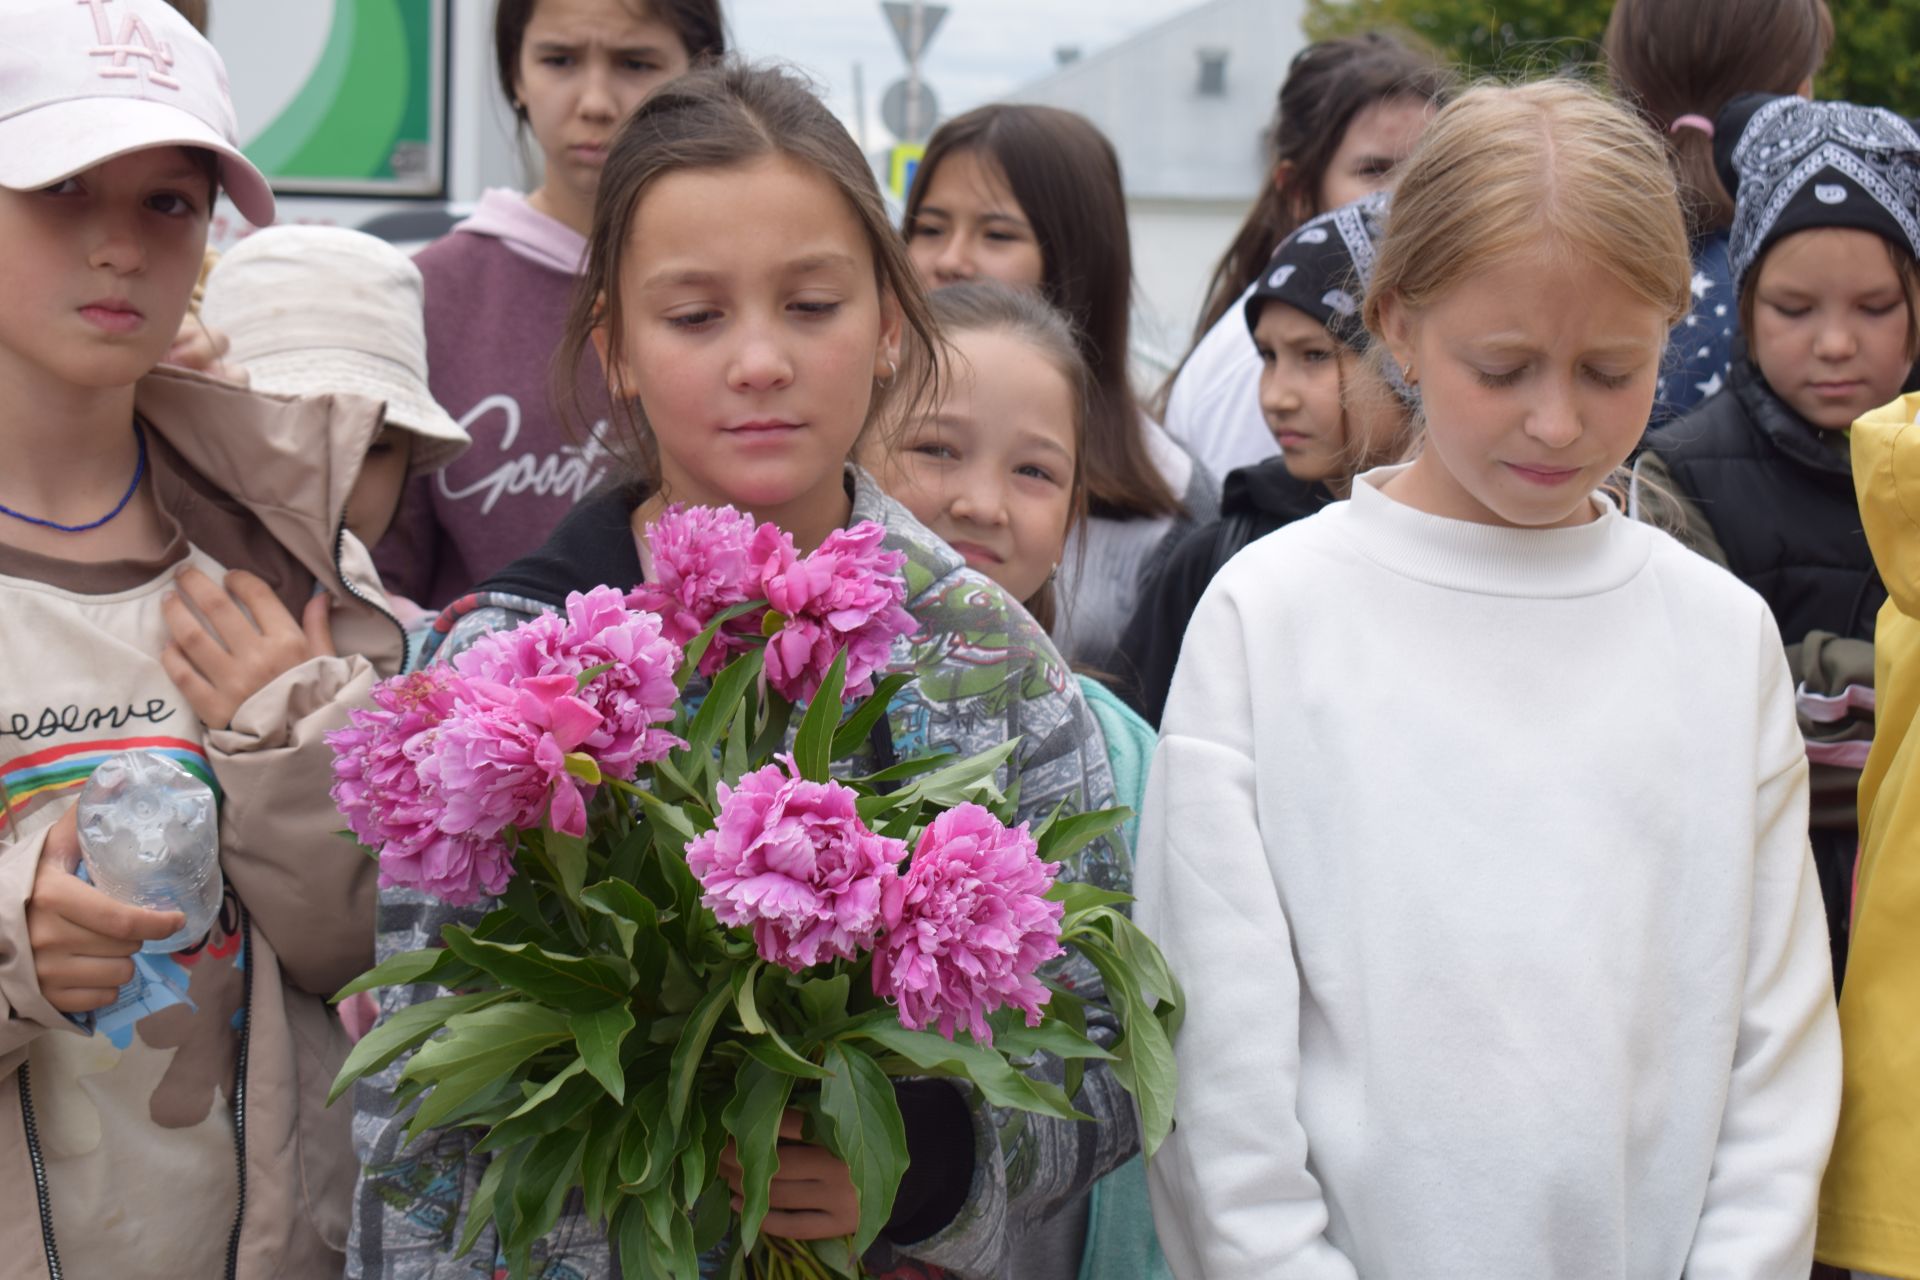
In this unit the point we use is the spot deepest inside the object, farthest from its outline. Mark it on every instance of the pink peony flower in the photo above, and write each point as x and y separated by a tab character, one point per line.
968	926
379	789
502	761
458	870
702	566
631	698
846	595
791	859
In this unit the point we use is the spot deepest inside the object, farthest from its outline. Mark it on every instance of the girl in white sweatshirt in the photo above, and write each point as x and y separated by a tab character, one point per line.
1476	833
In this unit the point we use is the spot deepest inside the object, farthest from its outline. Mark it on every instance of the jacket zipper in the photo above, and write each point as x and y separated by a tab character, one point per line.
239	1123
240	1090
378	606
39	1175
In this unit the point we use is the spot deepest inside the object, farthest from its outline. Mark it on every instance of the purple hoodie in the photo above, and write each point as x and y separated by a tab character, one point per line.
498	288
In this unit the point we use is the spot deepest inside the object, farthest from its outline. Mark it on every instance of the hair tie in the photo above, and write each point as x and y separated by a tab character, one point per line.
1701	123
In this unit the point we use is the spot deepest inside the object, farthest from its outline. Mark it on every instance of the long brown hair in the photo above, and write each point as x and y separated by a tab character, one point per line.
1670	59
1328	84
725	117
698	23
1066	178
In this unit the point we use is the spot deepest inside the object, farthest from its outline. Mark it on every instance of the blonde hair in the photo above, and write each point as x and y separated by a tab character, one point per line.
1502	169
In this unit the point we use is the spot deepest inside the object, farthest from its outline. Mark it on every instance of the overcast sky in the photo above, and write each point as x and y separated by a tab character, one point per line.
982	49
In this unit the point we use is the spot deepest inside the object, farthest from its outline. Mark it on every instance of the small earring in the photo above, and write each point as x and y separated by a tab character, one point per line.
1053	572
893	371
1412	375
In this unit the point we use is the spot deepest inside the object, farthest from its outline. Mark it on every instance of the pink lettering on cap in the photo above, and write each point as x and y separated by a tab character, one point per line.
135	41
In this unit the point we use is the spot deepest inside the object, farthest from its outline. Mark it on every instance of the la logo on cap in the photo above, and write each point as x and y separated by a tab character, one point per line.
134	50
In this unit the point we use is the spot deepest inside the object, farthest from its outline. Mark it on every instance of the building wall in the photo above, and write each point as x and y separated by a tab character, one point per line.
1176	244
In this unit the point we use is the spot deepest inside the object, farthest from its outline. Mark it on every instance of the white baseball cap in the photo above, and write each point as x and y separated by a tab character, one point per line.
319	310
85	81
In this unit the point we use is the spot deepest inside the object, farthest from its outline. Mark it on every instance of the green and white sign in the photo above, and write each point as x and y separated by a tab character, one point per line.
340	97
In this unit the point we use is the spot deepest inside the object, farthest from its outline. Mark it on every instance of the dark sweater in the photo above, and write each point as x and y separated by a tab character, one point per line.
1255	501
494	321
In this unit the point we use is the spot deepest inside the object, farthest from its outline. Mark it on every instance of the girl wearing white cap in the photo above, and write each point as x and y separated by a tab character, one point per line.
498	287
161	535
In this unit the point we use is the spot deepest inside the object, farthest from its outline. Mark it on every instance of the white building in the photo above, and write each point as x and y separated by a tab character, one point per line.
1187	104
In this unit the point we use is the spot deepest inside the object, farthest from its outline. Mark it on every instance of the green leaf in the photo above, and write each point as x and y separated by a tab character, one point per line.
772	625
600	1164
865	1130
723	700
972	779
813	745
998	1082
773	733
630	910
599	1036
1079	898
776	1053
591	674
429	964
824	1000
584	767
540	1191
698	649
733	754
692	1048
851	737
753	1118
478	1052
1156	976
712	1215
523	900
647	1136
905	769
401	1032
743	998
1051	1036
578	984
1144	1061
633	1241
665	770
551	1107
569	857
1062	837
480	1208
668	815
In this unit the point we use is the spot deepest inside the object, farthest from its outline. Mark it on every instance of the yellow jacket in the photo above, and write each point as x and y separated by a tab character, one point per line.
1870	1204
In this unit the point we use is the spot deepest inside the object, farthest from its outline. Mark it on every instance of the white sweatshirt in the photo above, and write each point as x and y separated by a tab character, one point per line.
1482	856
1214	406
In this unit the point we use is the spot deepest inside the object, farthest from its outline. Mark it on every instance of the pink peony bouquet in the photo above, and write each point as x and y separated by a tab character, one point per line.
698	904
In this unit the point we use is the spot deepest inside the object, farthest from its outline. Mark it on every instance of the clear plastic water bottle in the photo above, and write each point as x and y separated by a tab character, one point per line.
150	836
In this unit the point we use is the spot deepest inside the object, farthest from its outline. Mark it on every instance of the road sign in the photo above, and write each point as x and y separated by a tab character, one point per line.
900	18
909	121
903	163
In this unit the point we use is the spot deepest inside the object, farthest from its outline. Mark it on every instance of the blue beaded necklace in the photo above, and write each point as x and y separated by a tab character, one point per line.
139	472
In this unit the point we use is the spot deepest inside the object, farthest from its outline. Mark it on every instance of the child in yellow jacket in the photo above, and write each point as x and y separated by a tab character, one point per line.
1869	1209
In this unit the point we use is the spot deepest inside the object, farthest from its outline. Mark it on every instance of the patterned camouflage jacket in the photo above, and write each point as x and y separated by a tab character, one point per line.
986	672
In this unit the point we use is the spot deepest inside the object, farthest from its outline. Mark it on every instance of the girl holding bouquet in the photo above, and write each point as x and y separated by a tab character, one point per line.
1543	986
749	302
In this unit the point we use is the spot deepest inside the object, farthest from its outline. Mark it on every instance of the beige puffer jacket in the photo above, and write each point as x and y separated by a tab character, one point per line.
307	895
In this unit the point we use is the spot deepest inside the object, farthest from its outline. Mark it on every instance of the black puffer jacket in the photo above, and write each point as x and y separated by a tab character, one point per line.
1255	501
1778	492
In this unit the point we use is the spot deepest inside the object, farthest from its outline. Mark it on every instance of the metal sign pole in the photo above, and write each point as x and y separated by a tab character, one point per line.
916	37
